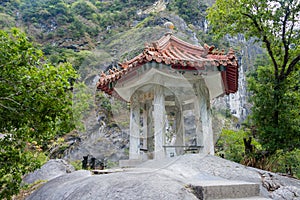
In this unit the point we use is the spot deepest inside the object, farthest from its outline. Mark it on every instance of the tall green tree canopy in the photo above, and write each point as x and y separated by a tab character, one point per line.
35	106
276	24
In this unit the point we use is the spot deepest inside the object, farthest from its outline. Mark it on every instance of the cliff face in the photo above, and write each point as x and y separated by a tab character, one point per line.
238	103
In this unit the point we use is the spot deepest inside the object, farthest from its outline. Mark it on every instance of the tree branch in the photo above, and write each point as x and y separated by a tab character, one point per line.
8	108
285	43
266	41
260	29
292	65
291	29
6	98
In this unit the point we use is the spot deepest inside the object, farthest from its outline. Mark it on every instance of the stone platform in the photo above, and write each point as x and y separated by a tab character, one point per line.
224	189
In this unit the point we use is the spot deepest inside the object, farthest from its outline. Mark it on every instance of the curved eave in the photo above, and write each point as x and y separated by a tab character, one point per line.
229	76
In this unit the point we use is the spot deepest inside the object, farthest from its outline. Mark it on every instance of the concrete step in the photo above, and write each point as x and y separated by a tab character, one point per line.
130	163
248	198
224	189
106	171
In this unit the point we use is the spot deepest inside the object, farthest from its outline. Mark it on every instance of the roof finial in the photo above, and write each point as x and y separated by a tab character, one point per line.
170	26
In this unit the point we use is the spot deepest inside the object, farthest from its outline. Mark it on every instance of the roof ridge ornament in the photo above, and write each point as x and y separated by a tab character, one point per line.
169	26
231	54
208	48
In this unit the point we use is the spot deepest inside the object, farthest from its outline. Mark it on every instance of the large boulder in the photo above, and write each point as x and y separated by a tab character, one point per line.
170	178
82	185
52	169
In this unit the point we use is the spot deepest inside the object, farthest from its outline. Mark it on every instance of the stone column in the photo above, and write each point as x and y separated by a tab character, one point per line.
145	126
150	131
134	140
205	114
159	121
198	122
179	128
208	141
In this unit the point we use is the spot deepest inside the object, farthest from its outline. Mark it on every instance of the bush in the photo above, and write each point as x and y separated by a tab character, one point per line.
286	162
231	145
77	164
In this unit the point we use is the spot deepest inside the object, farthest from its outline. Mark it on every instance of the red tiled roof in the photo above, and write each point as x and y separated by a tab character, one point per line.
180	55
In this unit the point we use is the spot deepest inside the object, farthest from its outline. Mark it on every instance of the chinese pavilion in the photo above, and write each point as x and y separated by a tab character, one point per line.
169	86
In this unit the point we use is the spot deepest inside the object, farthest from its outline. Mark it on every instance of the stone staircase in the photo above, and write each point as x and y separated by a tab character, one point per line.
226	190
204	182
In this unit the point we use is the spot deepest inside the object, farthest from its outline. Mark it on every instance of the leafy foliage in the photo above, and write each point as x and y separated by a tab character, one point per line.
14	162
192	11
35	106
9	6
286	162
286	134
231	145
74	19
276	24
83	102
25	80
58	17
6	21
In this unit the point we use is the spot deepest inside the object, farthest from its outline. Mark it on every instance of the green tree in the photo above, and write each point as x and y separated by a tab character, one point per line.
35	106
192	11
276	25
231	145
84	8
286	134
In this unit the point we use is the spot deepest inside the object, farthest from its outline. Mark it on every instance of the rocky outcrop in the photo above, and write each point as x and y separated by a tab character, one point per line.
52	169
105	142
238	103
286	192
173	178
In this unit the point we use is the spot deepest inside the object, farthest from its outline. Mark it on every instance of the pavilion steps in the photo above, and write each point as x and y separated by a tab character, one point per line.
225	190
130	163
248	198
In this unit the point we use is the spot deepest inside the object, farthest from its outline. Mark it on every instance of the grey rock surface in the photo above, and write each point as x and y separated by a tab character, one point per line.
127	185
287	192
170	178
52	169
